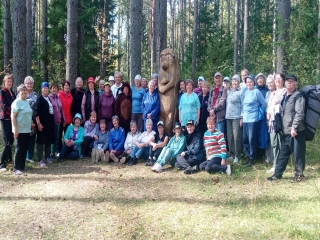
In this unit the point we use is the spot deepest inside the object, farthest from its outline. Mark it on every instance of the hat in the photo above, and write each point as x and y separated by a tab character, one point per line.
44	84
217	74
176	125
160	123
78	115
111	78
155	75
261	75
137	77
91	80
107	83
291	77
251	76
226	79
236	77
201	79
190	122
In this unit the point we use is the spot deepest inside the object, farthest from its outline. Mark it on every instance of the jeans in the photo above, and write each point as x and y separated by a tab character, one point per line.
140	152
31	143
54	147
47	148
295	146
186	161
165	156
221	126
7	137
234	137
69	152
250	139
213	166
275	141
20	152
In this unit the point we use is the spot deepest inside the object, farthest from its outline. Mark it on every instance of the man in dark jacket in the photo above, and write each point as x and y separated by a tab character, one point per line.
293	141
193	155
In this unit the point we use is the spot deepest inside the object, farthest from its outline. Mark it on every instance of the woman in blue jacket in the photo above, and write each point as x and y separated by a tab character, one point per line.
73	139
116	140
151	105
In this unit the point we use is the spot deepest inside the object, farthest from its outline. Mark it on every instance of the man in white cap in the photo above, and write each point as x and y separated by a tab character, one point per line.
217	102
111	80
198	90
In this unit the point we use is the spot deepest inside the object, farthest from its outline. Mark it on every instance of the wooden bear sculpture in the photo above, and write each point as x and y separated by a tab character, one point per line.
168	87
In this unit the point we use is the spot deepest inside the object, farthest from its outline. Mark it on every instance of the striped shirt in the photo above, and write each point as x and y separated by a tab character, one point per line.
215	144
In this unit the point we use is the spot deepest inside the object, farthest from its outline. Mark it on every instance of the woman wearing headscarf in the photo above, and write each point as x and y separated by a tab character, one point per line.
123	106
7	96
45	125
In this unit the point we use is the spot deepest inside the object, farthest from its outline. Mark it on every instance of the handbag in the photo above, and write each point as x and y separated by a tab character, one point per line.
277	123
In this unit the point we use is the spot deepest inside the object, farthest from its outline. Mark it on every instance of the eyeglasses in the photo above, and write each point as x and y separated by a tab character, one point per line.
29	83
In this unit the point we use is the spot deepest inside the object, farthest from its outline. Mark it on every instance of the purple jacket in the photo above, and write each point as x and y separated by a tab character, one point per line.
57	109
106	103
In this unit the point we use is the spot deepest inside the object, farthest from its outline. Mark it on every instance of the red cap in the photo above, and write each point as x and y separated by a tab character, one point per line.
91	79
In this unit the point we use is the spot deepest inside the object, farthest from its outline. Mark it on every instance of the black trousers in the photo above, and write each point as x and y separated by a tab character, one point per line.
87	146
21	151
61	130
155	153
187	161
7	137
47	149
295	146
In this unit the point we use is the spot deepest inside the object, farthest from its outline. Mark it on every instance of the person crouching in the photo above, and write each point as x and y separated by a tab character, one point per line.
216	151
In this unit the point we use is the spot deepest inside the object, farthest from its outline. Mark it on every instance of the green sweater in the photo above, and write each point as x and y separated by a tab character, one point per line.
177	145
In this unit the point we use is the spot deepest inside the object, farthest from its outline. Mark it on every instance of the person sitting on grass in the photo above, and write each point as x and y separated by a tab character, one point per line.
101	142
90	128
116	141
216	151
73	139
142	144
157	143
174	147
193	154
130	142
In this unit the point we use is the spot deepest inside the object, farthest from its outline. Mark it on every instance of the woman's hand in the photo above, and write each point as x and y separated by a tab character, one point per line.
33	126
223	162
149	115
16	133
40	127
95	137
241	122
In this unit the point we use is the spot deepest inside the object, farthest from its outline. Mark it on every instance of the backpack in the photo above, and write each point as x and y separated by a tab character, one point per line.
311	94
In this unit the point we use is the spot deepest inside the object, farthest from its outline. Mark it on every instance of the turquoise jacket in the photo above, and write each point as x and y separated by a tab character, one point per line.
177	145
78	142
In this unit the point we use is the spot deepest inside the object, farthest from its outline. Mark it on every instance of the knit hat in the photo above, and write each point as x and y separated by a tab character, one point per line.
44	84
261	75
227	79
251	76
91	80
137	77
201	79
155	75
236	77
78	115
293	77
111	78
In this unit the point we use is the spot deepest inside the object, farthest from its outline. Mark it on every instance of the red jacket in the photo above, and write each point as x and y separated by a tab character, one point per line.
66	101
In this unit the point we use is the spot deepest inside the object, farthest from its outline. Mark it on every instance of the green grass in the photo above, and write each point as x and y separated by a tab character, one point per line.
81	200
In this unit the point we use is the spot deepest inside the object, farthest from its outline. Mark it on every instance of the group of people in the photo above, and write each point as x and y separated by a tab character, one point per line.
112	121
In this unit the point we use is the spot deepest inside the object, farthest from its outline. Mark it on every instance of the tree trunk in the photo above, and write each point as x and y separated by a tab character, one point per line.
44	58
283	35
195	41
80	39
245	31
34	14
7	38
104	40
229	16
71	67
216	15
160	29
172	28
29	37
274	32
135	38
236	36
19	14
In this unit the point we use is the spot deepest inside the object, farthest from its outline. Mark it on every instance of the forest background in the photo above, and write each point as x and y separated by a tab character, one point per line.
207	35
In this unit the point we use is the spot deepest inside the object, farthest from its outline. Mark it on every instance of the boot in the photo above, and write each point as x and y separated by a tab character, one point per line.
148	162
102	157
93	155
250	163
133	161
129	160
247	161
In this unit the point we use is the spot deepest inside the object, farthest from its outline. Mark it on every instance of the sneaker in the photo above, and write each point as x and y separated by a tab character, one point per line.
42	164
3	167
81	156
191	170
48	161
236	160
113	157
157	168
29	160
271	170
273	177
230	158
148	161
298	178
18	172
247	161
123	160
228	171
